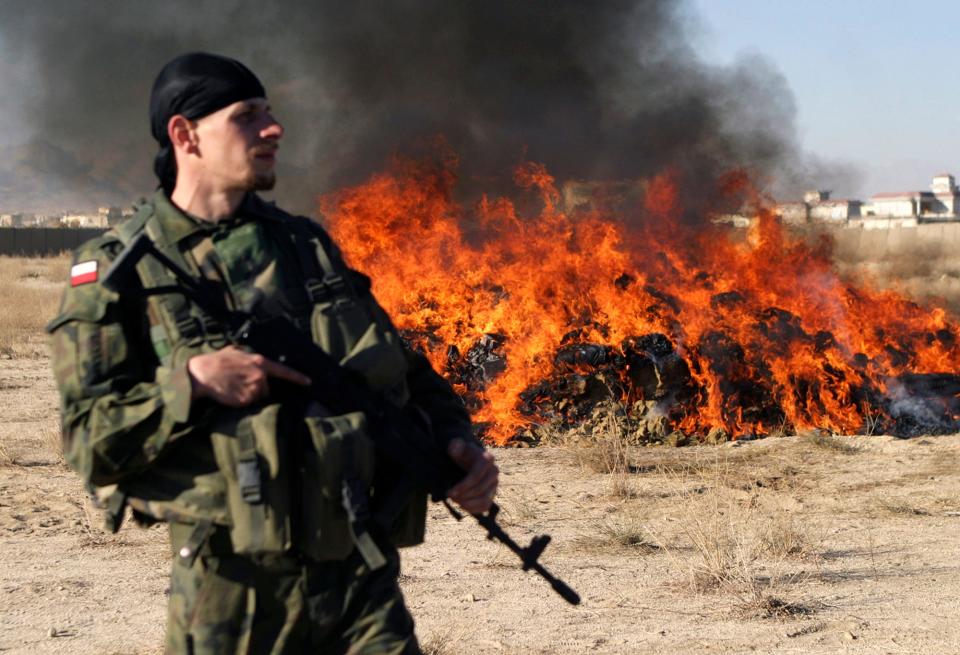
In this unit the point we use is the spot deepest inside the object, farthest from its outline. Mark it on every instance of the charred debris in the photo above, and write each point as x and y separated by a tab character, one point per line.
649	382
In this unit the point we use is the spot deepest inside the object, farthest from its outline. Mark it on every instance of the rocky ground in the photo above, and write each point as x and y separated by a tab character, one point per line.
804	544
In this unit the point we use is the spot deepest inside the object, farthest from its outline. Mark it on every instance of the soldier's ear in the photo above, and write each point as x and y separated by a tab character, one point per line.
182	133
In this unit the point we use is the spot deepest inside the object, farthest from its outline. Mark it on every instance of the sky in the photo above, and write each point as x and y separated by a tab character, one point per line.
869	87
875	82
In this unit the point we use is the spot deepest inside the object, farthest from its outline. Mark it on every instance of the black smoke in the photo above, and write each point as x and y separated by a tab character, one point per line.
608	89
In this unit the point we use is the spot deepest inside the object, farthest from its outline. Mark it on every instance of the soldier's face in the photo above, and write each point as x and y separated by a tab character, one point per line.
238	146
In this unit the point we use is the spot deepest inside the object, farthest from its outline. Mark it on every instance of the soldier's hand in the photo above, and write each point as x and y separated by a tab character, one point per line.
475	492
237	378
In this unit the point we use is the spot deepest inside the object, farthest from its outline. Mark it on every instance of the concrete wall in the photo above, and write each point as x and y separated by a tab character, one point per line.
855	244
39	241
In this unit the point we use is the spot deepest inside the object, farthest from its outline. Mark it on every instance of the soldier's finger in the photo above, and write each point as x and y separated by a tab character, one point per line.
278	370
476	505
483	480
484	470
477	481
481	492
466	486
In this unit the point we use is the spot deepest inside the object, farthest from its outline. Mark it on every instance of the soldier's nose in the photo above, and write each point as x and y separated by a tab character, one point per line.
274	130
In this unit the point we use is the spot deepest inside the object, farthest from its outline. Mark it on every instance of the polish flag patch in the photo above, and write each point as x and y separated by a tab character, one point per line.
83	273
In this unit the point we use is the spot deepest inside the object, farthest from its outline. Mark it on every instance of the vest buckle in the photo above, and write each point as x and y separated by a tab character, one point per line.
331	286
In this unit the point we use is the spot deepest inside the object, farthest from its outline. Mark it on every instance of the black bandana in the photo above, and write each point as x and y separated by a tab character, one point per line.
194	85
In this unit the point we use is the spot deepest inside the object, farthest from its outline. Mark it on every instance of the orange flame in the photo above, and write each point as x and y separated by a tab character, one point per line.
765	318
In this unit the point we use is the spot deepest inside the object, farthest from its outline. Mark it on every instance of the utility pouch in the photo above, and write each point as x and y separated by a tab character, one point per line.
250	450
409	526
337	474
337	324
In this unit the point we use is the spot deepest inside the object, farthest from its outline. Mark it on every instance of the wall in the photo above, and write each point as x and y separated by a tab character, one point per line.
874	244
39	241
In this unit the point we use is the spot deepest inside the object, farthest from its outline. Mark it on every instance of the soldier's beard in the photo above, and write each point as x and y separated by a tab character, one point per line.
263	181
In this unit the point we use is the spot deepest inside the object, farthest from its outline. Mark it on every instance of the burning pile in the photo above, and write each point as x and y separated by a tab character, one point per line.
539	316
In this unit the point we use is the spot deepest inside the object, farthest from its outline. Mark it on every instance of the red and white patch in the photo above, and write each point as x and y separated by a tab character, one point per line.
83	272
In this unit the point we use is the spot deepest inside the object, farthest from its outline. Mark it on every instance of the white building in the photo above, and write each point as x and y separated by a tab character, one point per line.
946	196
84	220
941	202
894	204
818	207
835	211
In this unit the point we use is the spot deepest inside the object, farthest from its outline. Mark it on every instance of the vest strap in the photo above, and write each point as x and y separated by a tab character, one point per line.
356	502
248	466
322	281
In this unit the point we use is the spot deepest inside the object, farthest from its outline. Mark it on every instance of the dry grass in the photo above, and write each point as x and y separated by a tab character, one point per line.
937	279
730	542
783	537
6	458
53	443
900	507
30	289
629	531
607	452
445	641
622	486
820	439
518	506
624	530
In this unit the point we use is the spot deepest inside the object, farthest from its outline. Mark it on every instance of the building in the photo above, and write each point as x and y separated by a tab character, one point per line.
818	207
892	204
84	220
111	216
941	202
946	196
794	213
835	211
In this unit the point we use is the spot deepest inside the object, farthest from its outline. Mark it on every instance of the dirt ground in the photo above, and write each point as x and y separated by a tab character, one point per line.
807	544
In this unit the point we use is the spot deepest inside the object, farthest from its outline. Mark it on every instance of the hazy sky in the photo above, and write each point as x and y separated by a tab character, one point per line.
872	83
875	82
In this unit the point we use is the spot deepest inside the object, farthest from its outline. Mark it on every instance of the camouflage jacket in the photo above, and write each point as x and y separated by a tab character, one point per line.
127	414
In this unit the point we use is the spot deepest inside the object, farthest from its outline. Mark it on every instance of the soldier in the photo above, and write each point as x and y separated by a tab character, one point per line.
161	414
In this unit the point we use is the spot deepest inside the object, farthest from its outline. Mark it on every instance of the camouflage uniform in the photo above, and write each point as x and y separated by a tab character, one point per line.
281	575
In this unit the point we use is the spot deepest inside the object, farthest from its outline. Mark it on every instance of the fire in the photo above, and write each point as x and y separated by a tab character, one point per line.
518	306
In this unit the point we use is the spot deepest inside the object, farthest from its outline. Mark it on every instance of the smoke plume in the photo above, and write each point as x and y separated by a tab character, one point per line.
607	89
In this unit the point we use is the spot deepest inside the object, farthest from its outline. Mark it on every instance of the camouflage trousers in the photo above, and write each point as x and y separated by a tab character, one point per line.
231	604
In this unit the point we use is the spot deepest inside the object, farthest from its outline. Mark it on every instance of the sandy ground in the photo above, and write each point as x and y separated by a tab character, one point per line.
788	545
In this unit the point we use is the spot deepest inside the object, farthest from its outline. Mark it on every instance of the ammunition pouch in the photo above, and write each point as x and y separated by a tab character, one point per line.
336	481
250	449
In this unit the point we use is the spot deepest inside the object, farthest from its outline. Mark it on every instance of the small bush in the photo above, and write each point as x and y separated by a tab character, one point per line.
518	507
821	439
621	531
607	452
730	543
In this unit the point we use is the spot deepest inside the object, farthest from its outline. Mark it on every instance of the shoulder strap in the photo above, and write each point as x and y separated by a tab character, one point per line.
130	228
322	280
177	322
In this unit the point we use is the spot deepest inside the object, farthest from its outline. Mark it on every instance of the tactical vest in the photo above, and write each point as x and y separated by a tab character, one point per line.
284	479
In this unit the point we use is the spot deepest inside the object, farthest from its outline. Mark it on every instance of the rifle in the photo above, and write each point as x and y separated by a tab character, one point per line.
398	436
